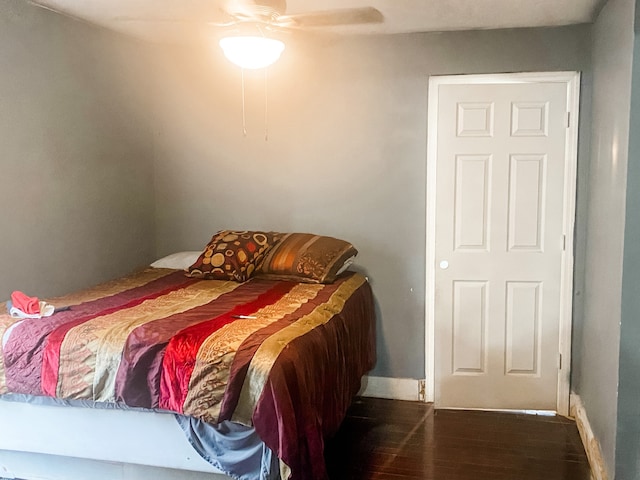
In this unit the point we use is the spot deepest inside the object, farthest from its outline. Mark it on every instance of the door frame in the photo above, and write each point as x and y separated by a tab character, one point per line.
572	81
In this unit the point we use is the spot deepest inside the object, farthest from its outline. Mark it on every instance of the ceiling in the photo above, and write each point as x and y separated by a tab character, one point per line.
178	21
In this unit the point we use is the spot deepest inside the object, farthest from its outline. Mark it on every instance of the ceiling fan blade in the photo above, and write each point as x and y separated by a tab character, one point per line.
216	17
185	21
329	18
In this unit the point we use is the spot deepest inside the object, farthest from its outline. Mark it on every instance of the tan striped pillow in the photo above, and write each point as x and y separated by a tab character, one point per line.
305	257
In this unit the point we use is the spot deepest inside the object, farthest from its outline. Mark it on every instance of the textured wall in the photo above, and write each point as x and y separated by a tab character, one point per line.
76	190
628	433
346	154
600	340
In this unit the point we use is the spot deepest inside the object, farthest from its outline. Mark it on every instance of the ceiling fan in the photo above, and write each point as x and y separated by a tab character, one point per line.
248	26
272	13
256	49
248	44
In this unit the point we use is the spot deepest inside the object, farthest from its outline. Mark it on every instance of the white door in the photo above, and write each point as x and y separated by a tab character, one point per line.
501	162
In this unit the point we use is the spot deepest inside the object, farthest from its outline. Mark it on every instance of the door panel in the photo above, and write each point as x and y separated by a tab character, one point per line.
471	198
526	195
469	328
522	345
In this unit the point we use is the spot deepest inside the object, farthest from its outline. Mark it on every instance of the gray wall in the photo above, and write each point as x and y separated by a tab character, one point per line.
83	114
76	191
596	380
628	422
346	153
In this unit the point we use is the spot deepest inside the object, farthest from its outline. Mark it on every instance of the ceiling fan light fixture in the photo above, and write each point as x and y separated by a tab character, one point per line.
251	52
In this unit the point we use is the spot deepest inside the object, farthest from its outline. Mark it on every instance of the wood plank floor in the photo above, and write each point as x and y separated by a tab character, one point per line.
390	439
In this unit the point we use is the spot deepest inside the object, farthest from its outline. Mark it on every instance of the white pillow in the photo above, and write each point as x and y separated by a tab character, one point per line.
178	260
347	263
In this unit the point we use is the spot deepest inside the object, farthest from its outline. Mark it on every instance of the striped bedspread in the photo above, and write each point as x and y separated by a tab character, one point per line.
284	357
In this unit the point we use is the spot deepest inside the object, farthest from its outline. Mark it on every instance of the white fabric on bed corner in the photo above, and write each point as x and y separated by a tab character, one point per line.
178	260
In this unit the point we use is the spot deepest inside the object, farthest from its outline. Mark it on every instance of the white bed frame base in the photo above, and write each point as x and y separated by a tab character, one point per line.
43	442
34	466
39	442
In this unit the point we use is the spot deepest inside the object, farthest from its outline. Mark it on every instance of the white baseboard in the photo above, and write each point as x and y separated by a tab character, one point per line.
589	440
393	388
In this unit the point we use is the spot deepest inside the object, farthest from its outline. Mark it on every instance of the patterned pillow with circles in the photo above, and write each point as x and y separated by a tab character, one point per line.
233	255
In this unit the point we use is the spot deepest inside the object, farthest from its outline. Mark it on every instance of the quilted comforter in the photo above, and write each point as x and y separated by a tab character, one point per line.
284	357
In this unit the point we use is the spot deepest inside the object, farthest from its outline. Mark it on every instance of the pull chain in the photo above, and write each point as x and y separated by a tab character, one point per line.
244	118
266	108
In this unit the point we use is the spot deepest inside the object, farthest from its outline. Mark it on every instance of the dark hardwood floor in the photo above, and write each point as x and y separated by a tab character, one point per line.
390	439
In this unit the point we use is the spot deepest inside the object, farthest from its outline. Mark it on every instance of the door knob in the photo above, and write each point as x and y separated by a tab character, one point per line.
444	264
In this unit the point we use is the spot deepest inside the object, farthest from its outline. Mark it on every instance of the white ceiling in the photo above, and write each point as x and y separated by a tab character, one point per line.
171	21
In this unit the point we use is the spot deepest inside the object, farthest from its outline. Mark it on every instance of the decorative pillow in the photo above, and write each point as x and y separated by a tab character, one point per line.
232	255
305	257
178	260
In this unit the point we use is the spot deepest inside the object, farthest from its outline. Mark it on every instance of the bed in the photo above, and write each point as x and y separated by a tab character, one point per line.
260	350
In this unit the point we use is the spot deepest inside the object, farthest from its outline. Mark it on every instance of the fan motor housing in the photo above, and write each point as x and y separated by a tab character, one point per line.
257	8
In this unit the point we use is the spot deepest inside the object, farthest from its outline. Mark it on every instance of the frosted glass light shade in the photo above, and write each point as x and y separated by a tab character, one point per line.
252	52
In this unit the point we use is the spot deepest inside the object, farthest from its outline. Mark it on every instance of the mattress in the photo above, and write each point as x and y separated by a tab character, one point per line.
281	357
